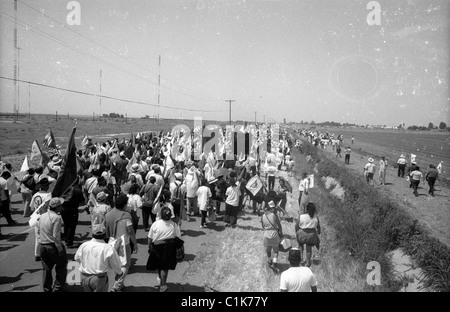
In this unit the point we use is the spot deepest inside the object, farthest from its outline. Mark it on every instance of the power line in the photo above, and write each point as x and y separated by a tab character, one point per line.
107	97
106	48
76	49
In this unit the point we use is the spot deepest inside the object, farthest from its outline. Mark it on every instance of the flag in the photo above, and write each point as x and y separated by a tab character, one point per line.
84	142
25	166
413	158
254	185
132	161
35	150
68	174
155	210
114	148
129	152
49	140
439	167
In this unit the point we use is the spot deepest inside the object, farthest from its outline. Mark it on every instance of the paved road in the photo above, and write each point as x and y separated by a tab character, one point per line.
20	272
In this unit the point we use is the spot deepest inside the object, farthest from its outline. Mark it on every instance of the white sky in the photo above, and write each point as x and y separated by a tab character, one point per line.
295	59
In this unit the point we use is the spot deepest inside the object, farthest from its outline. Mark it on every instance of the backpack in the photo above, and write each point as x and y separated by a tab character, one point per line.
176	199
30	183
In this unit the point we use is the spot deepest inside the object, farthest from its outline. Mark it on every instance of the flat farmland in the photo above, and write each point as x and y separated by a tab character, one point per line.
16	138
430	147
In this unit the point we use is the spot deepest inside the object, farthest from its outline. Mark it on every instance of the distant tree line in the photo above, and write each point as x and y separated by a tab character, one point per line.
431	126
113	115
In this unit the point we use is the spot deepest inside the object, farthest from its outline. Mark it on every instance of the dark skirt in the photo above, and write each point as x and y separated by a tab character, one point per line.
162	257
308	237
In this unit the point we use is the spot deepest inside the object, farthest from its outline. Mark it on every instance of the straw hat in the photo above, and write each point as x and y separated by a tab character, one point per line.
370	159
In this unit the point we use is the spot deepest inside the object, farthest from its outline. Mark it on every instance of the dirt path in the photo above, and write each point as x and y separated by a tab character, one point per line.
432	212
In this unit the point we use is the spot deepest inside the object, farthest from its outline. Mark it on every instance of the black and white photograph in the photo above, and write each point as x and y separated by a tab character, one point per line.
222	151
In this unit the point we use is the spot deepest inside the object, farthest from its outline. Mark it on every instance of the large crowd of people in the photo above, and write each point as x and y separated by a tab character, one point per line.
117	178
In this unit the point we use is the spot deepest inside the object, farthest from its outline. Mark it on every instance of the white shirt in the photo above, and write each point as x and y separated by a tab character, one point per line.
203	194
162	229
306	222
233	193
304	185
96	257
297	279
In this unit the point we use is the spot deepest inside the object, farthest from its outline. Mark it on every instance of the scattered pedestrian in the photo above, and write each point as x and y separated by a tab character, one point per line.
303	197
431	177
382	171
401	162
273	233
307	229
347	152
369	171
232	201
415	177
204	196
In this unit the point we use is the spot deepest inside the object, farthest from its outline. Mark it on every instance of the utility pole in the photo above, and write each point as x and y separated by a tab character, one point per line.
230	101
29	101
264	116
255	117
159	84
100	99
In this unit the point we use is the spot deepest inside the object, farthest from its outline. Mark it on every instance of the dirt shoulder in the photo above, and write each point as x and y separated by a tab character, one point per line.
432	212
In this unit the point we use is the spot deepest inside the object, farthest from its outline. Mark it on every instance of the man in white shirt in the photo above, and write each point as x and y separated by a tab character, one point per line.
232	202
297	278
96	258
303	189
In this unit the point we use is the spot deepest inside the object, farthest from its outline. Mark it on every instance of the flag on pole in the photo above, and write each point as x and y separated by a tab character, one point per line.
439	167
49	140
25	166
254	185
413	158
68	174
132	161
84	142
35	150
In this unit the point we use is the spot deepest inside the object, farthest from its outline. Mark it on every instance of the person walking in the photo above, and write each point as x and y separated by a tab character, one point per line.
204	196
369	171
297	278
162	247
415	177
53	253
232	201
69	213
149	193
303	189
412	167
273	233
307	229
192	183
177	199
119	225
338	151
382	171
96	258
5	197
401	162
431	177
347	152
39	204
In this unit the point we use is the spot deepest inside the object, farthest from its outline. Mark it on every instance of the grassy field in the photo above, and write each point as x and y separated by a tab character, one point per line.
430	147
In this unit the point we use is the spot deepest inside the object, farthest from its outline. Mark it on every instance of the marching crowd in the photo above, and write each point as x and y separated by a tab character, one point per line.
116	179
413	172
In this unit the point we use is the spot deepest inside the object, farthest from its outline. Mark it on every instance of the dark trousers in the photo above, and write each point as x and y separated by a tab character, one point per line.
271	182
204	214
347	159
95	283
415	186
401	171
50	257
70	219
431	182
4	208
283	200
146	213
231	213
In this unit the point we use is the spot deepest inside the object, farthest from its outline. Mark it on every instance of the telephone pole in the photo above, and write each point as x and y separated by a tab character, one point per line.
230	101
255	117
100	98
159	84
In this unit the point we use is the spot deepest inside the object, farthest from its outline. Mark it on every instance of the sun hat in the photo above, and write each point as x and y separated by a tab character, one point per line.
56	202
101	196
370	159
98	229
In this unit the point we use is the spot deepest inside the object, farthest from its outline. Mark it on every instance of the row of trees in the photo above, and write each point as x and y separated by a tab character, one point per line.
113	115
431	126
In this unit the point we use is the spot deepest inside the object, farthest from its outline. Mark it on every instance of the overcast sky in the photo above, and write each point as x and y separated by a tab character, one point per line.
294	59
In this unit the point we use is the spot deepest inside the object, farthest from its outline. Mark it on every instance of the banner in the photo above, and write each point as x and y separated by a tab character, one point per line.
84	142
413	158
254	185
25	166
35	150
311	180
439	167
